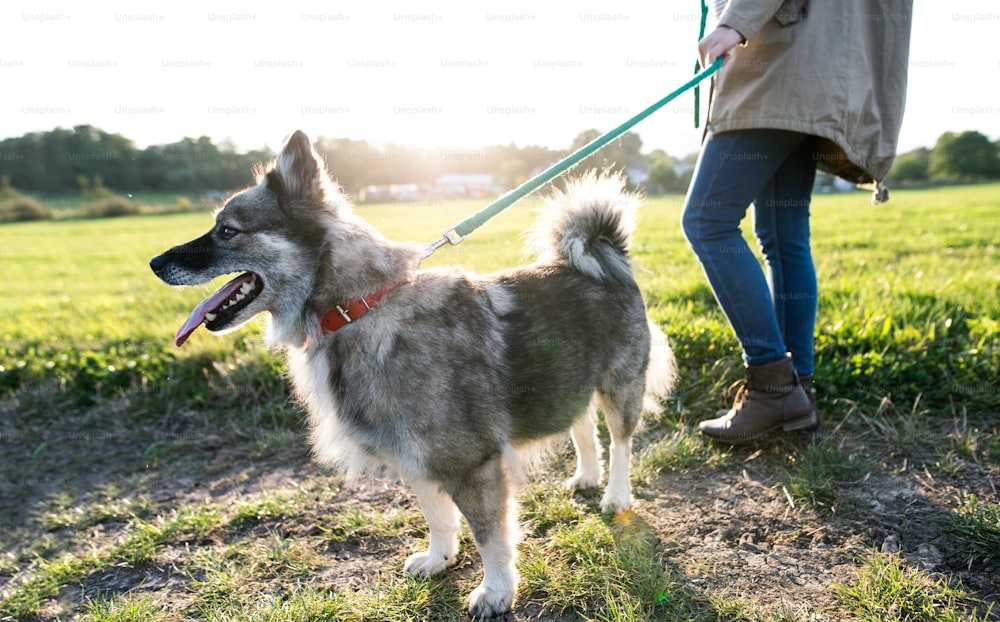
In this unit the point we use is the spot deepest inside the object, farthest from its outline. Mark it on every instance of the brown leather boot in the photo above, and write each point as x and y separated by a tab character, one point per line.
806	382
772	400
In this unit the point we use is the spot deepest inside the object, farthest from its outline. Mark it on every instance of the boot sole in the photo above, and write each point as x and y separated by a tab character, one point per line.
805	423
808	423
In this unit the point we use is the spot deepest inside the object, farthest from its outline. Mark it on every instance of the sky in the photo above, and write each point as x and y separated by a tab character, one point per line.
446	74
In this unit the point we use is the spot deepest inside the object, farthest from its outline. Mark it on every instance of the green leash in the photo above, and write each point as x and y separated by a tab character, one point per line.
456	234
697	63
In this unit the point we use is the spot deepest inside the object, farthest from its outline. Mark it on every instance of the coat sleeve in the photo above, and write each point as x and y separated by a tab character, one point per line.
747	16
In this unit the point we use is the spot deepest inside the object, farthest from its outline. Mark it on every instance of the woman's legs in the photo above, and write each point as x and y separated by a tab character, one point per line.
734	168
774	170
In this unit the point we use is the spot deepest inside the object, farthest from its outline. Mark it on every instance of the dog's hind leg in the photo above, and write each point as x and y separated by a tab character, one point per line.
486	499
622	412
444	522
588	451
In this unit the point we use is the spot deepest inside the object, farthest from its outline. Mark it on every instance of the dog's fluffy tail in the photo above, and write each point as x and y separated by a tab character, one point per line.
661	374
589	226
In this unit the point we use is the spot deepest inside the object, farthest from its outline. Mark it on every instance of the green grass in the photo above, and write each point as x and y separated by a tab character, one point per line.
139	547
88	319
908	295
818	472
123	609
908	356
888	590
679	450
610	567
975	525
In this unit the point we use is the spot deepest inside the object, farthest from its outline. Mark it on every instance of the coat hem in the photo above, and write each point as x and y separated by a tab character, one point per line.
833	159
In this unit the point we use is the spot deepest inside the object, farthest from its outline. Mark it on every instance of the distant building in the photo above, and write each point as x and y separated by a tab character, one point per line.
216	196
682	168
389	193
827	183
466	185
638	173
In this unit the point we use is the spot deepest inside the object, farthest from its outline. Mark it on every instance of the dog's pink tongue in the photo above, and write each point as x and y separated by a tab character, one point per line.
194	320
206	306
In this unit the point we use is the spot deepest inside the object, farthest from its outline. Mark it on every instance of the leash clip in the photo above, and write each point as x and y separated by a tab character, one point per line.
453	237
448	237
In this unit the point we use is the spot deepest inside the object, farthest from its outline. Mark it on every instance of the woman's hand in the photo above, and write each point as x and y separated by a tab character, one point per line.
718	43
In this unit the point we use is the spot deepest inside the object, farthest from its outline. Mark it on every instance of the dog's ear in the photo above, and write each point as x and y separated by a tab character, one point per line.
299	172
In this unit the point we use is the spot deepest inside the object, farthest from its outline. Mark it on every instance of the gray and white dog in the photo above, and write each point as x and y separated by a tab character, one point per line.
441	375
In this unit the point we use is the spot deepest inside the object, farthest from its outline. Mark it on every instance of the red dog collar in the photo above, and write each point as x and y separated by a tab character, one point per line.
350	310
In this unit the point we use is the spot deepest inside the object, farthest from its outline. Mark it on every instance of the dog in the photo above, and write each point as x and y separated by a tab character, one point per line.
440	375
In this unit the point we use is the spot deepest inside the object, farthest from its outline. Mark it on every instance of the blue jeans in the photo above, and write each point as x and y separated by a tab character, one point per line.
772	310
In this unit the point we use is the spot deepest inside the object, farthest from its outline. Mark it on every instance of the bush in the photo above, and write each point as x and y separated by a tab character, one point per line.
912	166
6	190
111	207
24	208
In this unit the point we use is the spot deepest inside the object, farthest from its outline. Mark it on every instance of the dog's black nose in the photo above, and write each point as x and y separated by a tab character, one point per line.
157	263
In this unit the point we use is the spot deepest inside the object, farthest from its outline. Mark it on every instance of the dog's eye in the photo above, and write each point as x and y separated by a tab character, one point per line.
227	233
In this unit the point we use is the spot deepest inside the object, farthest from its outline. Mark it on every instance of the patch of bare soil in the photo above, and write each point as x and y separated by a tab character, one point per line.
734	534
739	533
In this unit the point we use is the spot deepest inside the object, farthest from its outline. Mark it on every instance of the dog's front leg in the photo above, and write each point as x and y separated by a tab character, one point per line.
444	522
486	500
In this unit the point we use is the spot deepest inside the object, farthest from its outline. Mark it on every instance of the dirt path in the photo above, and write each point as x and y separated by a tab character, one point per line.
731	533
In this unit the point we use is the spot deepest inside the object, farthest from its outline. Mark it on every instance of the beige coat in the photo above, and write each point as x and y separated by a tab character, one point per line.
831	68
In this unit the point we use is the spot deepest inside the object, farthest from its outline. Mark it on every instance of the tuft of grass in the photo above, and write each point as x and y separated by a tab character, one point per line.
887	590
396	596
818	472
219	583
545	505
653	592
608	568
25	600
964	439
682	450
267	508
305	604
738	609
354	523
69	514
127	608
145	537
287	557
902	431
976	527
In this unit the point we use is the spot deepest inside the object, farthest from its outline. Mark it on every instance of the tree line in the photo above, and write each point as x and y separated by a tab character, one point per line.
955	157
67	161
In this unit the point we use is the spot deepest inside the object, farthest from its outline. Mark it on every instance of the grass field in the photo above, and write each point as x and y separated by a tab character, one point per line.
143	482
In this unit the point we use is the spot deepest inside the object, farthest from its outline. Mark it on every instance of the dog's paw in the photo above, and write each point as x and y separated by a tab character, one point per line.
613	503
485	602
427	565
583	481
